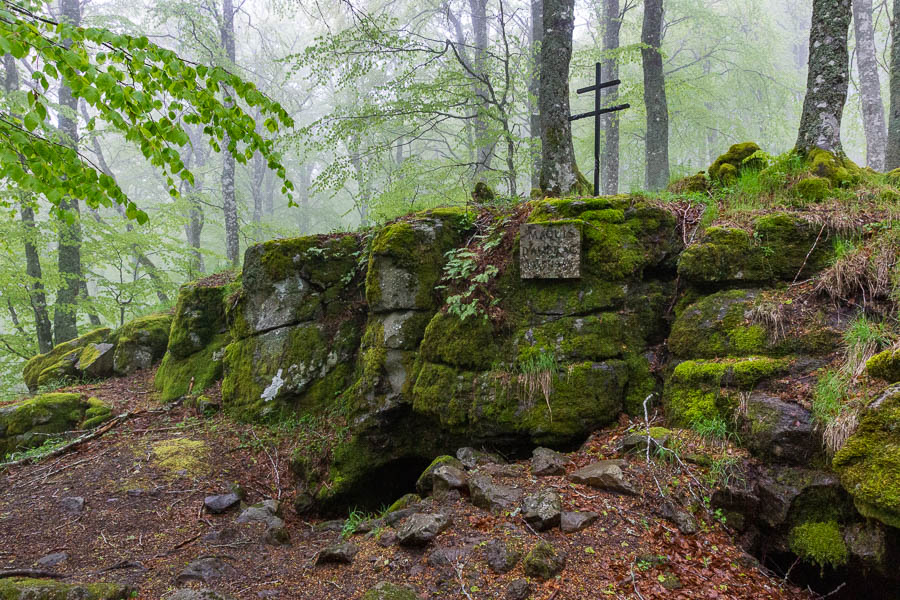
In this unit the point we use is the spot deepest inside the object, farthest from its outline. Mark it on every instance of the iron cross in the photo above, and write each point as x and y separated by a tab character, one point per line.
596	113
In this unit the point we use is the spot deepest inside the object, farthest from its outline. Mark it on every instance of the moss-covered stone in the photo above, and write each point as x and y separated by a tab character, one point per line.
97	413
732	162
693	184
29	423
199	317
174	376
869	462
404	501
885	365
288	370
812	189
820	544
718	326
576	339
294	280
781	246
544	561
470	344
58	365
839	170
406	263
641	384
425	483
389	591
141	343
18	588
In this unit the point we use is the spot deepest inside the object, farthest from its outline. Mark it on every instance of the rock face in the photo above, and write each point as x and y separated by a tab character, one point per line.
29	423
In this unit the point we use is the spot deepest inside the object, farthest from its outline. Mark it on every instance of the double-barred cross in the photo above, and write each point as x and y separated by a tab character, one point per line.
597	113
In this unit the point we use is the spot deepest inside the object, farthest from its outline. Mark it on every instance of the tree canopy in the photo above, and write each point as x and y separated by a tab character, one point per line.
145	92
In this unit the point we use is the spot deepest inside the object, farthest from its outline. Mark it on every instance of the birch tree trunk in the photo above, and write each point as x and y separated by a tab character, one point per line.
892	155
65	314
656	144
609	160
870	85
559	173
826	84
229	202
534	89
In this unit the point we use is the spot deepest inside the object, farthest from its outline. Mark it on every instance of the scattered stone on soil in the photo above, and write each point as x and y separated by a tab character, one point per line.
544	561
501	556
448	477
471	458
341	552
545	462
682	519
191	594
221	503
570	522
73	505
492	496
206	569
426	480
518	590
604	475
421	528
542	510
51	560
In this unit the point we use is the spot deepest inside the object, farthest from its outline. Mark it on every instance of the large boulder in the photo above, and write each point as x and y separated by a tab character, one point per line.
141	343
63	364
31	422
198	337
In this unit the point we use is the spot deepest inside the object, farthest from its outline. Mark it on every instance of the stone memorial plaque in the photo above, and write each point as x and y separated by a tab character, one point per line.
550	250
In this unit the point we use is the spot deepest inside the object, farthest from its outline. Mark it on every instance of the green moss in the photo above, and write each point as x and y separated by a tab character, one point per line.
389	591
19	588
469	344
641	383
839	170
199	317
885	365
402	502
543	561
26	423
397	240
97	412
59	362
570	297
573	339
173	378
141	342
718	326
870	460
730	164
693	184
812	189
820	544
180	456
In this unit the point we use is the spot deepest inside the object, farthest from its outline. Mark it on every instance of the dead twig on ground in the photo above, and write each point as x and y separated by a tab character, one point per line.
36	573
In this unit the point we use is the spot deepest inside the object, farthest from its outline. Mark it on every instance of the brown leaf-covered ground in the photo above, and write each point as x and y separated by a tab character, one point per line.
142	523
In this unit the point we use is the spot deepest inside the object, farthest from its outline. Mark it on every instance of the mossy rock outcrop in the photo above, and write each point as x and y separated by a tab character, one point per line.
197	340
869	463
61	365
885	365
728	166
780	247
141	343
30	422
41	589
721	325
839	170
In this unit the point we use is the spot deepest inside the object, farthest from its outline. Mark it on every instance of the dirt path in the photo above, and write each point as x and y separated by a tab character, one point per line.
143	521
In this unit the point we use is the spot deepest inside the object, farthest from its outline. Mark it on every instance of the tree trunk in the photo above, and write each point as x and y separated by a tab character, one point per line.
257	189
36	295
656	144
229	202
609	160
485	146
303	223
870	85
826	84
559	173
65	314
362	181
892	158
534	89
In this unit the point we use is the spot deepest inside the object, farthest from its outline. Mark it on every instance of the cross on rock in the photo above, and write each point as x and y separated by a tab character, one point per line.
596	113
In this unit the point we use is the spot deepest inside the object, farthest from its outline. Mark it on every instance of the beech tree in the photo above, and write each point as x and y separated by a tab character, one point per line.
656	143
609	160
869	84
892	153
828	78
559	173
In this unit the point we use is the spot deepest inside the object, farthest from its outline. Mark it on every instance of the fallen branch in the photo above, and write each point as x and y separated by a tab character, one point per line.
808	254
30	573
634	583
76	442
